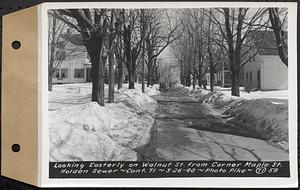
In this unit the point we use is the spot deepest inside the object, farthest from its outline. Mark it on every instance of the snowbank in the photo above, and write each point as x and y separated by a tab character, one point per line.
87	131
267	119
263	116
190	91
81	93
137	100
152	90
274	94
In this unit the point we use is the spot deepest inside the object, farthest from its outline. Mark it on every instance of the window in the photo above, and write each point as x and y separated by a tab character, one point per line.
56	73
60	73
79	73
250	77
246	77
60	55
64	73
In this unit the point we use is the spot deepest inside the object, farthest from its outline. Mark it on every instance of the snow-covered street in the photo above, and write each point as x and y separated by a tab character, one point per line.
180	124
266	111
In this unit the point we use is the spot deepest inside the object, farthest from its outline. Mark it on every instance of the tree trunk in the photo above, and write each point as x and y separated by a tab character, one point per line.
278	32
211	79
95	50
52	54
143	68
235	91
150	73
235	74
155	74
234	53
188	77
111	88
148	77
95	60
150	67
200	75
101	80
131	72
130	58
50	80
50	74
111	60
194	74
120	74
131	78
194	82
211	68
184	75
181	73
200	68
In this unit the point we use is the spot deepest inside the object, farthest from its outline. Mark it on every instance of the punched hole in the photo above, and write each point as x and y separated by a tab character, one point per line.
15	148
16	44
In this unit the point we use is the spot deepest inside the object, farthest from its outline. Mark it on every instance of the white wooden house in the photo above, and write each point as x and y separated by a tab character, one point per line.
76	68
266	71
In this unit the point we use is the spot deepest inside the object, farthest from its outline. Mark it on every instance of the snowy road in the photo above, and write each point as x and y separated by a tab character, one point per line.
188	130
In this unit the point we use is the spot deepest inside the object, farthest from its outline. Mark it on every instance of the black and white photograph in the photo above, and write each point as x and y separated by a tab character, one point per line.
107	94
161	85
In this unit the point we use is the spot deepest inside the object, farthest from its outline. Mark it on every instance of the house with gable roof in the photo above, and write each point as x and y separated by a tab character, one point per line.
76	67
265	71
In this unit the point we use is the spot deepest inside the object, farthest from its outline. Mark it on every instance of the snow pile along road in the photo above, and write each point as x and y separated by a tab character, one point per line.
137	100
261	115
153	90
111	133
195	93
81	133
267	119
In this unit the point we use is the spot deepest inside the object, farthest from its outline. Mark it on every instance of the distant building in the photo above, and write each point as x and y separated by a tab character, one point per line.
222	76
265	71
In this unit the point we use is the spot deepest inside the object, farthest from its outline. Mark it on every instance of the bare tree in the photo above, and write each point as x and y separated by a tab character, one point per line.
52	41
162	30
214	50
278	29
143	31
113	31
210	55
181	51
191	49
132	42
236	29
120	56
